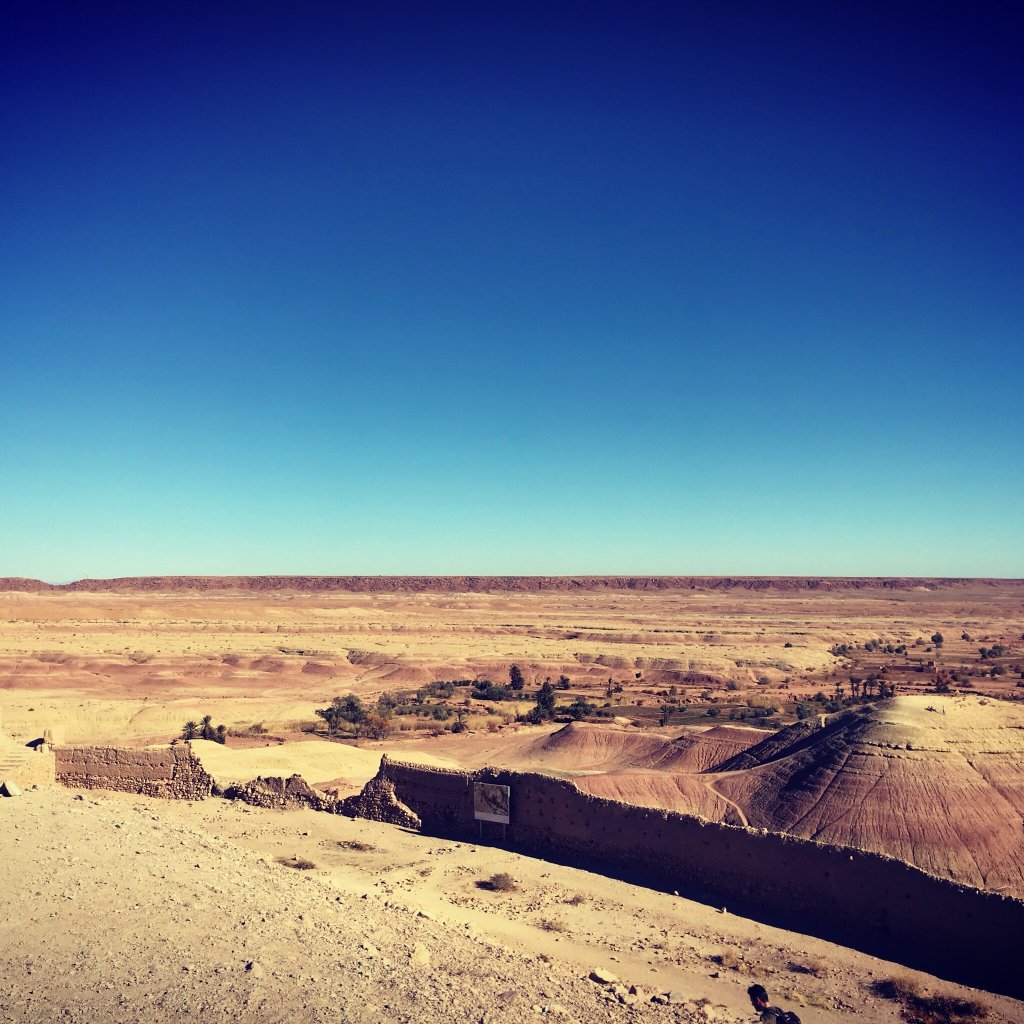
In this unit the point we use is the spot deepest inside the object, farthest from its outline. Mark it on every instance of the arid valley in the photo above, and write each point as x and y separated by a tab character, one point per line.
871	716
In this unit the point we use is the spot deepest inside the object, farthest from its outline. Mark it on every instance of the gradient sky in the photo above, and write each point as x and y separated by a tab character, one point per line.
511	288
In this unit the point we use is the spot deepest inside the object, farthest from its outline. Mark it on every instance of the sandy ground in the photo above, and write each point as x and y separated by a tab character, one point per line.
119	909
136	666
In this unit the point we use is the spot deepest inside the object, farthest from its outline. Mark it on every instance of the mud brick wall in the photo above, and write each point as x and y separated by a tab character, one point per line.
873	903
173	773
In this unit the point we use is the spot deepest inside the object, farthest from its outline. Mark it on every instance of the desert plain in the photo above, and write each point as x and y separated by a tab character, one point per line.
878	715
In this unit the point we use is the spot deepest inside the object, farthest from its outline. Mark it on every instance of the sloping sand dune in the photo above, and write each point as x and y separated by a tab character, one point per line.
582	746
938	782
704	750
672	792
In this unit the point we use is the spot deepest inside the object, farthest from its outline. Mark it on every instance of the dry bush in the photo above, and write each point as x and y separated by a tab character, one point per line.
299	863
552	924
809	965
356	844
576	900
501	882
730	959
944	1009
920	1007
900	987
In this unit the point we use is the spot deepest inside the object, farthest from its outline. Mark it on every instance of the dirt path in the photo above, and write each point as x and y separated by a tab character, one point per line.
710	785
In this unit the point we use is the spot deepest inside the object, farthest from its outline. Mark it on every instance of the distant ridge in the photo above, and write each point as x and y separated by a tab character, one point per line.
485	584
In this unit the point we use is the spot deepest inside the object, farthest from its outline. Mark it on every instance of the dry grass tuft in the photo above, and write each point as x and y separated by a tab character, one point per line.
729	959
576	900
920	1007
901	987
299	863
356	844
809	965
501	882
552	924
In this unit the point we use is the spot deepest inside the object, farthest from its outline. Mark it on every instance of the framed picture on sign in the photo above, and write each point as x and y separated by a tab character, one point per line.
490	802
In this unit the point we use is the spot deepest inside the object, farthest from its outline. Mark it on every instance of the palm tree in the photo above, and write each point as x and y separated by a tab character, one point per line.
221	733
190	731
207	727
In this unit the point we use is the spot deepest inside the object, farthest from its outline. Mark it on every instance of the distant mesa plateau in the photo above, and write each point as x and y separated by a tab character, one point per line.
486	584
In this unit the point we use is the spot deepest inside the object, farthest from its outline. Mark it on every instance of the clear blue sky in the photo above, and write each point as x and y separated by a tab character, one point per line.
481	288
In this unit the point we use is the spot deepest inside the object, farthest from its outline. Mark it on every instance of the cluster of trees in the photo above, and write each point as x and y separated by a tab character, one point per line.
348	710
863	687
347	713
995	651
484	689
544	709
204	730
872	646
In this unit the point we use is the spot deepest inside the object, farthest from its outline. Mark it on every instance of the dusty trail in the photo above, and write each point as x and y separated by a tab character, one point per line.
740	813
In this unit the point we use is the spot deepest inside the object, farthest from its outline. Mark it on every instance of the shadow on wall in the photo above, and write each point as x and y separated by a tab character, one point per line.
864	900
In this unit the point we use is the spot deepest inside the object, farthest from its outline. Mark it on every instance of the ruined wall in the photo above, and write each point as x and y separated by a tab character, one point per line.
25	766
865	900
378	802
173	773
283	794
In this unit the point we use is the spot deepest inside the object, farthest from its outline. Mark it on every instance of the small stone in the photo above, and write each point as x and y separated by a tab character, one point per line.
420	955
9	788
603	976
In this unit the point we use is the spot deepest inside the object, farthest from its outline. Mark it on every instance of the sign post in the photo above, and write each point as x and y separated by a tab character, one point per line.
491	803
